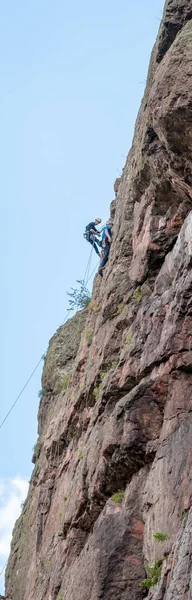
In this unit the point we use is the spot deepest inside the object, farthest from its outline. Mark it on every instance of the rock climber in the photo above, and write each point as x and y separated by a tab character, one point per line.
90	234
106	244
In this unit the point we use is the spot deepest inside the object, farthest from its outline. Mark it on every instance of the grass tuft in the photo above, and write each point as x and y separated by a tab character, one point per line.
161	537
118	497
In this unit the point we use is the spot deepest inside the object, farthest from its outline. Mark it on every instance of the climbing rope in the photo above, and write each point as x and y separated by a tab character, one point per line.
69	310
88	268
93	272
85	276
28	380
20	393
39	362
1	572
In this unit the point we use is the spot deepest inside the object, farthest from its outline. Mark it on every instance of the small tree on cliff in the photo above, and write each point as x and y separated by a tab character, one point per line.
79	298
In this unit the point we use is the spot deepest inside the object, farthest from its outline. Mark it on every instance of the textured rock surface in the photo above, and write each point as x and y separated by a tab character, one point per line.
116	409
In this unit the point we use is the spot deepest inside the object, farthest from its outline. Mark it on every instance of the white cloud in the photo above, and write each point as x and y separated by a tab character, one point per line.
12	493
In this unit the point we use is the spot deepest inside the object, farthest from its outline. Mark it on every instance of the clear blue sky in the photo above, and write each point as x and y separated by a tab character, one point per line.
71	87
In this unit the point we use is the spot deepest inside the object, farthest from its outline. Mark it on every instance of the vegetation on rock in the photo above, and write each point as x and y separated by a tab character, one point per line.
80	455
128	340
79	298
154	573
118	497
120	309
161	537
36	451
138	294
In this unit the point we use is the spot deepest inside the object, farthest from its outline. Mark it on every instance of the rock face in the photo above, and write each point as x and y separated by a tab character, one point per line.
113	462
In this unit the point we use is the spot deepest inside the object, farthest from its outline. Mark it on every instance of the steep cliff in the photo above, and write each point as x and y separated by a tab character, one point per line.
113	462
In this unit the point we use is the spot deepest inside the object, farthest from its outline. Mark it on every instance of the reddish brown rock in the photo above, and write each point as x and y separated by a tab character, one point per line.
113	463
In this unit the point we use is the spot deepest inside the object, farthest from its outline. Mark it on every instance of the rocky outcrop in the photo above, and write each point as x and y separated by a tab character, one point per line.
113	458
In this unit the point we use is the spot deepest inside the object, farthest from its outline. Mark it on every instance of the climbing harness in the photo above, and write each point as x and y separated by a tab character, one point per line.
86	235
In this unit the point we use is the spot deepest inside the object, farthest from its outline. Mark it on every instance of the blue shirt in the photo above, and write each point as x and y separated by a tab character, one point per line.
104	236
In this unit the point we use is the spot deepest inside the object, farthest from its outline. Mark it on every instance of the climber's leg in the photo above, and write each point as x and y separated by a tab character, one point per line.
104	259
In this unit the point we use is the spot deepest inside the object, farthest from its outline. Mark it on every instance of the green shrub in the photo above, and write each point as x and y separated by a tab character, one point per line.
118	497
41	393
154	573
161	537
79	299
60	596
65	498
